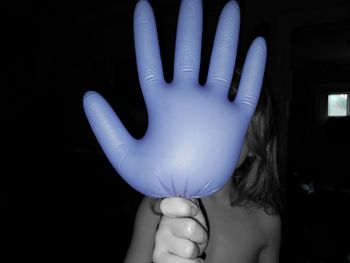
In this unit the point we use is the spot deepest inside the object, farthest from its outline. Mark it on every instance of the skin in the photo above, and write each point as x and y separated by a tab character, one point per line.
175	230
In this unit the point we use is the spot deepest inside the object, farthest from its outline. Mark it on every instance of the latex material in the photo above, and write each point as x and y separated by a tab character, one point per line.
195	133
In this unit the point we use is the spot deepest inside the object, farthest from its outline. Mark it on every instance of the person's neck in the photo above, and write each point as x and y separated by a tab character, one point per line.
223	196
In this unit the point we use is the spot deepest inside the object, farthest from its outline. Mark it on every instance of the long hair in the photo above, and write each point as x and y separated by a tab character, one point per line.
257	179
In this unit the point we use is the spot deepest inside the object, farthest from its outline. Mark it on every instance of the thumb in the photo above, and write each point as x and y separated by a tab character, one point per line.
111	134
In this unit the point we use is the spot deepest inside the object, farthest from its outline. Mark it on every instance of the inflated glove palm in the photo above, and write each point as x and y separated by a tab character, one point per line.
195	133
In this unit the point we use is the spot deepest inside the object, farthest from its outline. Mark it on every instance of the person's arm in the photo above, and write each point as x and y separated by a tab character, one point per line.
142	241
272	229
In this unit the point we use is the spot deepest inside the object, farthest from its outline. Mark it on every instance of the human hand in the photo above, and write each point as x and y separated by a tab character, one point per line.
195	134
182	234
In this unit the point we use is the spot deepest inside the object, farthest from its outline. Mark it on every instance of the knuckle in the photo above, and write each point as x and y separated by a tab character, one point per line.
185	209
195	232
159	253
159	236
157	256
191	227
203	238
190	250
165	224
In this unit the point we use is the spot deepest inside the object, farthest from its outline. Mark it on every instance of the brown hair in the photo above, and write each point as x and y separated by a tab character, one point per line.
257	179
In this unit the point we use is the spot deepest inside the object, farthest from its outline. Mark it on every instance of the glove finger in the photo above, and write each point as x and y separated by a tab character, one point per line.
188	41
252	77
149	64
110	132
224	50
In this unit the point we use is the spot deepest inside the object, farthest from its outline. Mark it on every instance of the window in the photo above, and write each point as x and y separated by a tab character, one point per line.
338	105
332	101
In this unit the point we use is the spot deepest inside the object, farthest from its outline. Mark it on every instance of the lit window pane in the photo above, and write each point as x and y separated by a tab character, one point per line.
337	104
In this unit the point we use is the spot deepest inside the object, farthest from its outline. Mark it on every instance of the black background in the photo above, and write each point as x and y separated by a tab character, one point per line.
61	198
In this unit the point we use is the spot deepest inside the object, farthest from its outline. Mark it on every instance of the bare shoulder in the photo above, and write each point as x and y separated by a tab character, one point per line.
142	241
266	220
270	225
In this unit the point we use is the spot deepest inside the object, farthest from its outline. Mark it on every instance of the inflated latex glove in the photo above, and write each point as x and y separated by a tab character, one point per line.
182	234
195	133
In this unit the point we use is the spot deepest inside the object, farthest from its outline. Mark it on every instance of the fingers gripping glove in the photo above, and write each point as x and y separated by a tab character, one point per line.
195	133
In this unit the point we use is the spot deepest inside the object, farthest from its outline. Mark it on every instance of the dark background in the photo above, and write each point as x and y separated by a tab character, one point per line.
60	198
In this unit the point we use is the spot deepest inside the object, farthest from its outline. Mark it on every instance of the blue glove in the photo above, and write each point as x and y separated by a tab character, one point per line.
195	133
